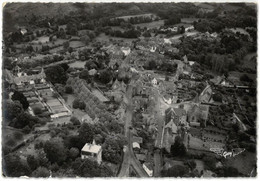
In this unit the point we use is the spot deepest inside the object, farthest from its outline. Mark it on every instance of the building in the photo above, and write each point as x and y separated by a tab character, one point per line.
178	116
126	50
23	78
154	81
190	28
92	151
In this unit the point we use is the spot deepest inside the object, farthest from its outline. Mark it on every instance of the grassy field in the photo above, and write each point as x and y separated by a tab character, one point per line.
235	77
102	37
77	64
138	15
76	44
154	24
248	62
189	20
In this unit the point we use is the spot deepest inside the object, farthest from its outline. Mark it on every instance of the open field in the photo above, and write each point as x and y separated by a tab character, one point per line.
154	24
138	15
248	62
77	64
76	44
102	37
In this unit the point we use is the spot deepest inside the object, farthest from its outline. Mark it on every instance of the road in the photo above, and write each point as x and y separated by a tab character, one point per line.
129	156
159	139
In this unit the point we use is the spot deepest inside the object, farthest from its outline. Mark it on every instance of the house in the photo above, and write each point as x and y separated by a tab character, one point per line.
92	151
23	78
153	49
178	115
92	72
23	31
86	118
148	167
197	112
171	126
126	50
206	94
136	145
154	81
190	28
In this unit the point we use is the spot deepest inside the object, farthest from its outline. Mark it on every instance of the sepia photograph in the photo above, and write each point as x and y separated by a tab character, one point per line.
136	89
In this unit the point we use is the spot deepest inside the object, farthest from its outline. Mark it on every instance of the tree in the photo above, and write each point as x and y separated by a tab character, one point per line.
228	172
74	120
152	65
90	168
84	75
21	98
105	76
24	119
56	74
32	162
65	66
178	148
74	152
86	132
55	151
176	171
210	162
66	45
217	97
41	172
112	148
70	50
245	78
37	110
14	167
68	89
11	110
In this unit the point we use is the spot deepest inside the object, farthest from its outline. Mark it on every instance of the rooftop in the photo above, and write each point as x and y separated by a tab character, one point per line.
91	148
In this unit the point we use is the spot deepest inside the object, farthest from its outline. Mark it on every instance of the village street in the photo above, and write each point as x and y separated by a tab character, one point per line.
129	157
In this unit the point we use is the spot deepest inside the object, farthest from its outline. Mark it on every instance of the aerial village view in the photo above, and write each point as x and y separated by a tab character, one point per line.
129	90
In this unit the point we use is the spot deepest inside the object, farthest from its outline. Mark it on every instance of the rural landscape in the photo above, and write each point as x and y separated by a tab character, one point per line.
129	90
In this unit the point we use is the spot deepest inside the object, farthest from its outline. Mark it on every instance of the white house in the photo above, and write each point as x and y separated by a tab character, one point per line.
23	31
190	28
153	49
148	167
136	145
92	151
154	81
126	50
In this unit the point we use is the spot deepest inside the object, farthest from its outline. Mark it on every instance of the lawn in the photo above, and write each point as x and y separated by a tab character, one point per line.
154	24
189	20
75	112
248	62
138	15
76	44
102	37
77	64
42	39
234	76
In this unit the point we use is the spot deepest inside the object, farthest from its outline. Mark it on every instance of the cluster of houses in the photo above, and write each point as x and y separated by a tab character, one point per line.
39	93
